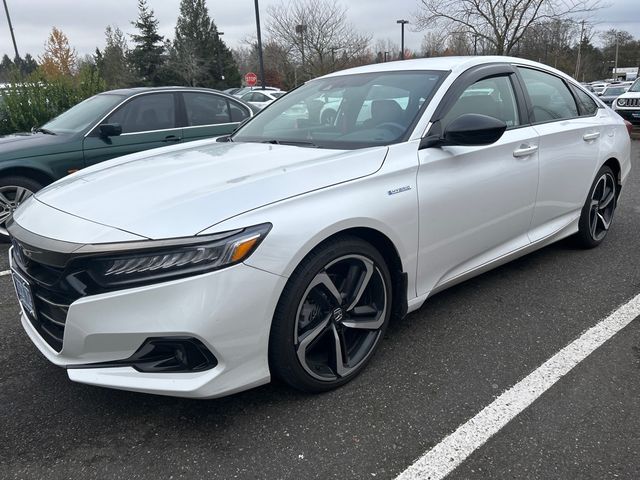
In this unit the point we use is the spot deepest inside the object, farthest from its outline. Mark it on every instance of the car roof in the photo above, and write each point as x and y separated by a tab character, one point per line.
453	64
136	90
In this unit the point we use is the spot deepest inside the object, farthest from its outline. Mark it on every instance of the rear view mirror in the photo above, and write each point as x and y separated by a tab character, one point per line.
473	129
110	130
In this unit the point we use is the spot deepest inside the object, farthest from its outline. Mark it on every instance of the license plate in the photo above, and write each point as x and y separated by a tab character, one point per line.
23	290
635	115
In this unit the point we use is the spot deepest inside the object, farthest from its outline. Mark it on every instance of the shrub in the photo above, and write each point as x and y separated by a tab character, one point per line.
31	101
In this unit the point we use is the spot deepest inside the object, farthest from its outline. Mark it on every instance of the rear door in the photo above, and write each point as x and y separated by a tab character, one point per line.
570	130
209	115
148	121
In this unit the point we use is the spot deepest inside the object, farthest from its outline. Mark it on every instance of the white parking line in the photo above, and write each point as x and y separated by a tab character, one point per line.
5	272
438	462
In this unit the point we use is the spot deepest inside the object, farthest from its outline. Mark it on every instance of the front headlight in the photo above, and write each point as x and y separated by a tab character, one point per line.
153	261
621	102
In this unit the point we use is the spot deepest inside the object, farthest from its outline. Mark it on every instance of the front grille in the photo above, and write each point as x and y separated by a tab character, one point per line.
52	296
633	102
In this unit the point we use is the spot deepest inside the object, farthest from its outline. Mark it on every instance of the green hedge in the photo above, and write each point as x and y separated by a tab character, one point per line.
33	101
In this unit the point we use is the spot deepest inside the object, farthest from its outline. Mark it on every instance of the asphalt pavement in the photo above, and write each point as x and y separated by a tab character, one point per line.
436	369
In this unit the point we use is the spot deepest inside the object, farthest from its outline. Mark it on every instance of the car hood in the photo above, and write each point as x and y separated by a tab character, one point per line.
21	145
181	192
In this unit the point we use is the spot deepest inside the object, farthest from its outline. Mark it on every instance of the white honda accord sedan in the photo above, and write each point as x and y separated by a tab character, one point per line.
284	250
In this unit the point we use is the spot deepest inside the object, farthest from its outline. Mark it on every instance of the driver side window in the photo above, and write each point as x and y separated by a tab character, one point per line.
491	96
145	113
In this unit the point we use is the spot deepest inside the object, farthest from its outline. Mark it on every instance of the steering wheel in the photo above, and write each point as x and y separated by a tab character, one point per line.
401	128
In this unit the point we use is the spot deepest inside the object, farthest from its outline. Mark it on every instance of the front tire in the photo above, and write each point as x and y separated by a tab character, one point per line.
597	212
331	316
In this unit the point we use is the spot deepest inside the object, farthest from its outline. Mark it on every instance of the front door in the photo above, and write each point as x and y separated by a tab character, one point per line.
147	121
476	203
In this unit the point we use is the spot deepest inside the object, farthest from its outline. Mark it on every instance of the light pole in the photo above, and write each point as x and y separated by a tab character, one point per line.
402	24
220	69
300	29
615	67
13	37
260	59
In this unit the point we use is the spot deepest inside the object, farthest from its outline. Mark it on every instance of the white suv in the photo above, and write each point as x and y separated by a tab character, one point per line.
627	105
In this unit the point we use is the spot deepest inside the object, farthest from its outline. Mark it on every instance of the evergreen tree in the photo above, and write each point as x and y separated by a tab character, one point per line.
113	63
147	56
201	57
28	65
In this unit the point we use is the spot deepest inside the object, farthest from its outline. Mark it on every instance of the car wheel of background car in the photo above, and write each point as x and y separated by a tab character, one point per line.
597	212
14	191
328	117
331	315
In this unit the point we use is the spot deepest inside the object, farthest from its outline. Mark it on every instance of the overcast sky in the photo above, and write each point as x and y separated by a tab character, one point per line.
84	21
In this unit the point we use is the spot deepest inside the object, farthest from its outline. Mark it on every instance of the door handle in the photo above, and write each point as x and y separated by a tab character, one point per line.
590	136
525	151
171	138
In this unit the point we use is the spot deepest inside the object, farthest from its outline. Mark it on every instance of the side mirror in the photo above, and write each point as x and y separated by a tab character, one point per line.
107	130
470	129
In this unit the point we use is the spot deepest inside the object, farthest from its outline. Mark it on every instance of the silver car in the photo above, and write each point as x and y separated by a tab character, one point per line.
285	249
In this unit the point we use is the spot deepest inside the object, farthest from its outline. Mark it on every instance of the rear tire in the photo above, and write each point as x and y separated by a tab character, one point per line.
331	316
13	191
598	210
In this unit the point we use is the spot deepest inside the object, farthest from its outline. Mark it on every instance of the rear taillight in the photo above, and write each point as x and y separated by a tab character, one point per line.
629	126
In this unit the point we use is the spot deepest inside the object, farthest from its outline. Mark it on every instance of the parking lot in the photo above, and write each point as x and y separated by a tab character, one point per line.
436	369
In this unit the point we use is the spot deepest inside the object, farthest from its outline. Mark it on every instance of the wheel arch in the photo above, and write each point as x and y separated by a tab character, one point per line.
614	165
387	248
40	176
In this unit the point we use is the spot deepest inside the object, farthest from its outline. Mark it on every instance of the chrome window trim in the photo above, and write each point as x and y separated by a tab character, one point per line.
177	128
182	90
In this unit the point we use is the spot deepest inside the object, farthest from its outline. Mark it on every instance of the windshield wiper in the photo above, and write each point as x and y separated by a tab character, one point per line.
46	131
291	142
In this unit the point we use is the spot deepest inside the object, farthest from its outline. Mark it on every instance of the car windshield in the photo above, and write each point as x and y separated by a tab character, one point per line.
635	87
345	112
84	114
277	94
611	91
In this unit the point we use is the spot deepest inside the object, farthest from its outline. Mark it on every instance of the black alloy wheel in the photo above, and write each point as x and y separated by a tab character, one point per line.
598	210
331	316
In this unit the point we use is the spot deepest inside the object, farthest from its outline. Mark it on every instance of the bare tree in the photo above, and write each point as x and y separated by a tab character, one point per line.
387	49
501	23
317	35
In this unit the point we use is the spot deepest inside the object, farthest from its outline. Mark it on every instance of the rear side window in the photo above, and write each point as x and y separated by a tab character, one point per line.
238	112
491	96
550	97
206	109
588	106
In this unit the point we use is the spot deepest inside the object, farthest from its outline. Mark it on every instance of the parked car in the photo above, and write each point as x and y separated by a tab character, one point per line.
109	125
277	252
262	98
627	105
241	91
612	92
598	87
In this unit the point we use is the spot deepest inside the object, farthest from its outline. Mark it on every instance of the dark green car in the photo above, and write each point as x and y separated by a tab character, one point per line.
108	125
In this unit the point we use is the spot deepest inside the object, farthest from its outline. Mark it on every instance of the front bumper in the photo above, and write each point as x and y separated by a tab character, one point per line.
229	310
632	116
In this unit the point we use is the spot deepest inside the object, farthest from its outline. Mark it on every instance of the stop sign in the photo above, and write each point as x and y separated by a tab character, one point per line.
251	79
